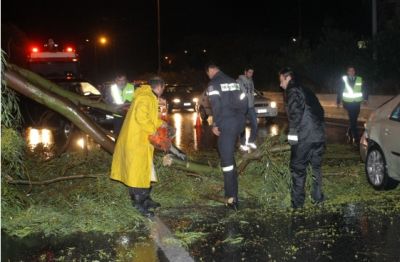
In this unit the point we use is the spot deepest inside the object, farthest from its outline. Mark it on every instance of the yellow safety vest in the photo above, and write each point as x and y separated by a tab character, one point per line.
352	94
120	97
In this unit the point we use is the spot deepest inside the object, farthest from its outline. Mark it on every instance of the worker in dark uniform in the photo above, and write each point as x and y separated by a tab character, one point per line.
229	106
352	92
306	137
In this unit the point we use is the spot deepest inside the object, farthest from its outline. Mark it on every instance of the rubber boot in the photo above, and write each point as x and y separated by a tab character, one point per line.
140	205
150	203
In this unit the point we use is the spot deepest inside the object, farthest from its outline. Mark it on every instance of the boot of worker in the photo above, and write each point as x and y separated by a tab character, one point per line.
150	203
140	199
131	192
231	189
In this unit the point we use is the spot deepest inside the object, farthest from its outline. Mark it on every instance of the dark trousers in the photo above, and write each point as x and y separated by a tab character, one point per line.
301	156
353	110
230	131
117	122
252	117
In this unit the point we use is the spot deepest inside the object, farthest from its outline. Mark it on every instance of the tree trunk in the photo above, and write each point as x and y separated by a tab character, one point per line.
52	87
257	155
188	166
60	105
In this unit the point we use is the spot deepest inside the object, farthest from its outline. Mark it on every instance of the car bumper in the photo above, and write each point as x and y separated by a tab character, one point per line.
363	147
266	111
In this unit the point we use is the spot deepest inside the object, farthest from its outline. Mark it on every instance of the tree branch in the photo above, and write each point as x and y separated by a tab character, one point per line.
50	181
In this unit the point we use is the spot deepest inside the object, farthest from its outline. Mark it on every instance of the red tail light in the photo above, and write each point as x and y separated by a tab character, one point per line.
69	49
35	49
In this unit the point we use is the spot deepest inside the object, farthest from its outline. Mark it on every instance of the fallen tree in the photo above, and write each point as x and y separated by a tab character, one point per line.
61	105
75	98
67	104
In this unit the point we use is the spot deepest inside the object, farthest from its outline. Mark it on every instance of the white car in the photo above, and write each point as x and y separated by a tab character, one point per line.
264	106
380	145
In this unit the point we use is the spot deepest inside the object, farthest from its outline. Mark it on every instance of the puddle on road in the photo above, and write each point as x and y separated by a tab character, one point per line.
81	247
351	234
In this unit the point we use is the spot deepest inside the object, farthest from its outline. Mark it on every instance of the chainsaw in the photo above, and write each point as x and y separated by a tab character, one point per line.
162	140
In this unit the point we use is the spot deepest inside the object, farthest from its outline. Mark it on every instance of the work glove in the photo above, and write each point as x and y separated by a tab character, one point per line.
293	139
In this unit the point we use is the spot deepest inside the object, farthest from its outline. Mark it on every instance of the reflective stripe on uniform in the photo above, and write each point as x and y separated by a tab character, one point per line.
227	168
292	137
353	95
116	95
230	87
214	93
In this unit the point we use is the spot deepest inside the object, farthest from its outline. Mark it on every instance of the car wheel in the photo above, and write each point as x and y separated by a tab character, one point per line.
61	127
376	172
203	114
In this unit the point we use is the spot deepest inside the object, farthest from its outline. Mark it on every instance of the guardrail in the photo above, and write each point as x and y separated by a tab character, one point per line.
328	102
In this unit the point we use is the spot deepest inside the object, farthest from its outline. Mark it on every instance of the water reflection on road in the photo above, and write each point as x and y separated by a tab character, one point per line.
192	137
191	134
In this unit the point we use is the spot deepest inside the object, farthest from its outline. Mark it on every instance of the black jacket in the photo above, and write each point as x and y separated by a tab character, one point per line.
305	114
221	103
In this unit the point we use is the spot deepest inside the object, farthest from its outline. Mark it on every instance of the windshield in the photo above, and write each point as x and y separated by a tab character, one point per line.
83	88
55	69
257	93
179	90
88	89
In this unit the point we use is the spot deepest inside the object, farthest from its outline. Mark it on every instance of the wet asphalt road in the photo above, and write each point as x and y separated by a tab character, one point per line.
190	137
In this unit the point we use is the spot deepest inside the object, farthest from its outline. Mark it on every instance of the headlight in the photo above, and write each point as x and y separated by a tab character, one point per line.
273	104
109	117
176	100
40	136
81	143
195	100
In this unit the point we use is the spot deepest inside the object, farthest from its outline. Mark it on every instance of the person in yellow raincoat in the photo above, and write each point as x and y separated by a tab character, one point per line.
132	162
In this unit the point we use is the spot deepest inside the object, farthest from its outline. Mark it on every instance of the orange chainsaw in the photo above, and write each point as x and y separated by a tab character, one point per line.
162	140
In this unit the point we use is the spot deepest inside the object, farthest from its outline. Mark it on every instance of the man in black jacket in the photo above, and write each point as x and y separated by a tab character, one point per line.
229	106
306	136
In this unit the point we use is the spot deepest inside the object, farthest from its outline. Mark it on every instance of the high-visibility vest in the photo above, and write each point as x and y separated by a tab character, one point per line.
120	97
352	94
128	92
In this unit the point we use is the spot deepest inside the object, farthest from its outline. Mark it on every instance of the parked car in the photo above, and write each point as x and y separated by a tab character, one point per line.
380	146
182	97
88	90
264	107
40	118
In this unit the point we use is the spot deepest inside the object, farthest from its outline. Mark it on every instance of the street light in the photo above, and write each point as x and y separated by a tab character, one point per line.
103	40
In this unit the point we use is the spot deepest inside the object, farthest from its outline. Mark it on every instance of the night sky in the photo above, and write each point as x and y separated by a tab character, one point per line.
131	25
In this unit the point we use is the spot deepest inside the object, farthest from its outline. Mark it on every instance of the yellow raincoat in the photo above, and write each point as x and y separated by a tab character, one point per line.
133	156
